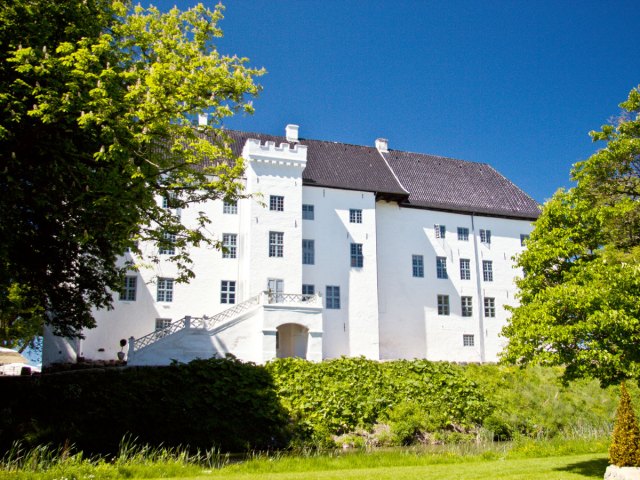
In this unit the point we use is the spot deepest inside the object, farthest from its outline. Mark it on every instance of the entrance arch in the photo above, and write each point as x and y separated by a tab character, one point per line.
292	340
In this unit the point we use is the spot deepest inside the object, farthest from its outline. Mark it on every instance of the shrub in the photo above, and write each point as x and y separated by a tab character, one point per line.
625	442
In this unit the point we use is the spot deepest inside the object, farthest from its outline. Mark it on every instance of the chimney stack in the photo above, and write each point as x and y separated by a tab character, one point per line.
203	119
382	144
291	132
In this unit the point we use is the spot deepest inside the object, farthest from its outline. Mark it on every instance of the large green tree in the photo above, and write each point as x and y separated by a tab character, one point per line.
580	295
97	108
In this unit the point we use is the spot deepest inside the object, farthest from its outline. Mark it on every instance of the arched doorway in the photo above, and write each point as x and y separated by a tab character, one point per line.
291	341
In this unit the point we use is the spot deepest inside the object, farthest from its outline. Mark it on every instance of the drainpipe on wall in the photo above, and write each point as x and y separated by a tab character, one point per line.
479	291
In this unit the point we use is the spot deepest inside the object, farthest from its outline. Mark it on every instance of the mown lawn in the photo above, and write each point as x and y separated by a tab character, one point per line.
585	466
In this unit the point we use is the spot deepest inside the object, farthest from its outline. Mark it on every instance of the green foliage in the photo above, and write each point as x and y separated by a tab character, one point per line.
221	403
580	297
338	396
625	440
533	403
97	105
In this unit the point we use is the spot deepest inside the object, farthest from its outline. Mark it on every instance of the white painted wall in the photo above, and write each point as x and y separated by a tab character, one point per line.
410	326
353	329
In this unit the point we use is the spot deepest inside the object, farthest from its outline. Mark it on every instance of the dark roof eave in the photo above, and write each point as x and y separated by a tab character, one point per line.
396	195
477	212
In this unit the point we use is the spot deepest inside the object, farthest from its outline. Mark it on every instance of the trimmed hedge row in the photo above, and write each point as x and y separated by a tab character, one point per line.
221	403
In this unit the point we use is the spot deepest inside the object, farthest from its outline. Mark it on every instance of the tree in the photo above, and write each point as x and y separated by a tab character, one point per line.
580	296
97	109
625	440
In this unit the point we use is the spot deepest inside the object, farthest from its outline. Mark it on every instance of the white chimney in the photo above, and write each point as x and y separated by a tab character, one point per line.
202	119
291	132
382	144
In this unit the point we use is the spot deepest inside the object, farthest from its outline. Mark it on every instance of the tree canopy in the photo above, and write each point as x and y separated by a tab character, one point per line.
97	108
580	295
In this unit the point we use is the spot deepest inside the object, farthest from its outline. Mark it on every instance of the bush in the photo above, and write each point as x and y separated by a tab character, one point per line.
220	403
625	441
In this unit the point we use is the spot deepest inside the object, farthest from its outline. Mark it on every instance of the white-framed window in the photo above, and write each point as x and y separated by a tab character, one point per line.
417	265
308	212
229	245
485	236
355	215
228	291
162	323
463	234
276	203
308	252
165	290
443	305
489	307
128	293
308	290
169	202
467	306
465	269
230	208
440	231
487	270
168	248
523	239
468	340
276	244
332	297
357	259
441	267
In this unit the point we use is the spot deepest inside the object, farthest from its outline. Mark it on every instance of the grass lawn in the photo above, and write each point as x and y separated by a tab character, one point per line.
584	466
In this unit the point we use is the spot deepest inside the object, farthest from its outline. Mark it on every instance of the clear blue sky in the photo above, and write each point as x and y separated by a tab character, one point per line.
516	84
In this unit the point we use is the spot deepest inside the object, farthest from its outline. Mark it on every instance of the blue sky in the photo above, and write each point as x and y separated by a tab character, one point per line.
515	84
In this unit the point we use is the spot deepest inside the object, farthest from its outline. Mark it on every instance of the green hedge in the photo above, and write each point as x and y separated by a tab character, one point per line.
339	396
208	403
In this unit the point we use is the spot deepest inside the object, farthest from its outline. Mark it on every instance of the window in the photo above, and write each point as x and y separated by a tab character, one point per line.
465	269
443	304
230	207
441	267
487	270
167	248
276	203
467	308
463	234
357	260
485	236
128	293
308	252
523	239
355	216
308	291
489	307
229	245
165	290
468	340
308	212
227	291
333	297
440	231
162	323
276	244
417	264
165	202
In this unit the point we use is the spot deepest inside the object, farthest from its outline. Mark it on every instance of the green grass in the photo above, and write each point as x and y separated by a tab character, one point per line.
526	459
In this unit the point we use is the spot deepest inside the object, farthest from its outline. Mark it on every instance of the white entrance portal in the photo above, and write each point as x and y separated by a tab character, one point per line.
292	341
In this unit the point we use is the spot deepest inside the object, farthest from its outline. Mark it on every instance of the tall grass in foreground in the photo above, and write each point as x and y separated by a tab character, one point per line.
44	463
132	461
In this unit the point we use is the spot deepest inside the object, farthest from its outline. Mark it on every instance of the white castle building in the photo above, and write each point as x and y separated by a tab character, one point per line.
342	250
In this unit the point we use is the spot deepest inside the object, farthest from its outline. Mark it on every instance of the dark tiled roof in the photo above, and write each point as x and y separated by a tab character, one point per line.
416	180
336	165
457	185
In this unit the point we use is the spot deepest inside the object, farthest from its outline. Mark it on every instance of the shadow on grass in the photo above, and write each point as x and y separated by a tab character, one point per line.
588	469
